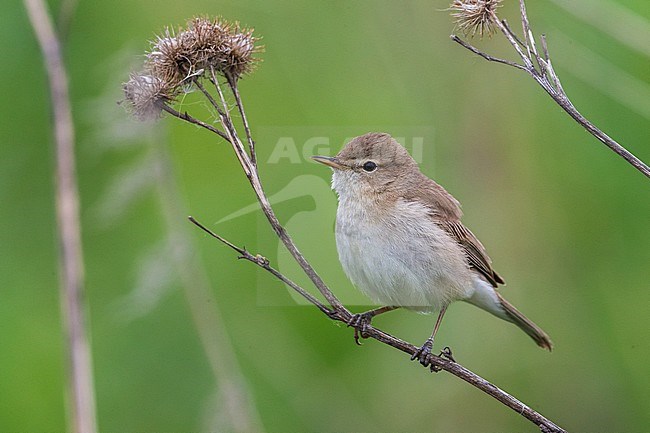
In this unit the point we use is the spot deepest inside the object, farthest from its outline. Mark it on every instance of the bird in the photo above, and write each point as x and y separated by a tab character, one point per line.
401	242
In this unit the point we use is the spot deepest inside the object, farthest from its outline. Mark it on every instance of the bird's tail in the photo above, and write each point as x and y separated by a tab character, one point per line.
489	299
535	332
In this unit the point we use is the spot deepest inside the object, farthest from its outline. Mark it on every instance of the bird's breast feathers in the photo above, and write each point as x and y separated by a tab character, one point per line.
398	256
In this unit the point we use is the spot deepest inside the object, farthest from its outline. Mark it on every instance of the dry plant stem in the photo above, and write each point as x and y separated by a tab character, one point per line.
79	361
186	117
291	247
338	312
252	174
226	122
264	263
484	55
209	97
232	82
438	363
226	119
541	69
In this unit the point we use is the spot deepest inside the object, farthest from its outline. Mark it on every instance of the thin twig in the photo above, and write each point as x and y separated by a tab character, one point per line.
337	311
226	136
226	119
240	107
437	362
207	94
263	262
186	117
514	35
544	64
227	123
514	41
547	78
253	177
525	25
293	249
81	390
484	55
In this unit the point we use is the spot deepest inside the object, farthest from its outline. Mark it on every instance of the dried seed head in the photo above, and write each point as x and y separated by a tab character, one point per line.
171	58
205	39
146	94
238	50
207	34
177	59
205	43
475	16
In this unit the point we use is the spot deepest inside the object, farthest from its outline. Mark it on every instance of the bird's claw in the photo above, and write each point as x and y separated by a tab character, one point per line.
360	324
423	354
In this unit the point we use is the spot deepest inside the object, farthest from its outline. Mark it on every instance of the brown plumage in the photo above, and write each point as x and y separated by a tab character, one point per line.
401	240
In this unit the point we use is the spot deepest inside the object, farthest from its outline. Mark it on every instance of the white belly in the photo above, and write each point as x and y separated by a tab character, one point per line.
401	257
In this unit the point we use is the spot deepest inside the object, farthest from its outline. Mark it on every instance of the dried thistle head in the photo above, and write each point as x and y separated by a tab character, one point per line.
205	43
238	50
146	95
178	59
475	16
204	39
171	58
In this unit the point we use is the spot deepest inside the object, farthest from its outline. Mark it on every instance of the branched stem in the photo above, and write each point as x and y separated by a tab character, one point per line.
437	362
224	115
208	95
541	70
293	249
186	117
263	262
240	107
252	174
484	55
337	311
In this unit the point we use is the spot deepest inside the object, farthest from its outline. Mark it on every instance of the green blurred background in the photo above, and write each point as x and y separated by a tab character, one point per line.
565	220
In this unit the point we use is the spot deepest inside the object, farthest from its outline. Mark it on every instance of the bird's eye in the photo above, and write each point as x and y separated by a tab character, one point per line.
369	166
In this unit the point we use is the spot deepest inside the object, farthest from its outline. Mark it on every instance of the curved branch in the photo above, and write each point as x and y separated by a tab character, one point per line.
193	120
263	262
437	362
335	311
232	82
545	76
486	56
251	171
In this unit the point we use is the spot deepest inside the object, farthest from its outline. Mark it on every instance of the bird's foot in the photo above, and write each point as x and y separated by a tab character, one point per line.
423	354
360	323
446	353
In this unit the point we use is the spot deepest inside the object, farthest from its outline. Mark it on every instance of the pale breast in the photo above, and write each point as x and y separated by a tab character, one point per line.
399	256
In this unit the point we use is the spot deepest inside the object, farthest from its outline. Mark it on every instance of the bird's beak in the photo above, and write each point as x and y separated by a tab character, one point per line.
328	160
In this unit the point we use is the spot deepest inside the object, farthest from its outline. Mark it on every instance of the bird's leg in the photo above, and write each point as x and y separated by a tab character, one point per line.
424	353
360	321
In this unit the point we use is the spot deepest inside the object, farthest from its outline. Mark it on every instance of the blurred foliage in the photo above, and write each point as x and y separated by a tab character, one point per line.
565	220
